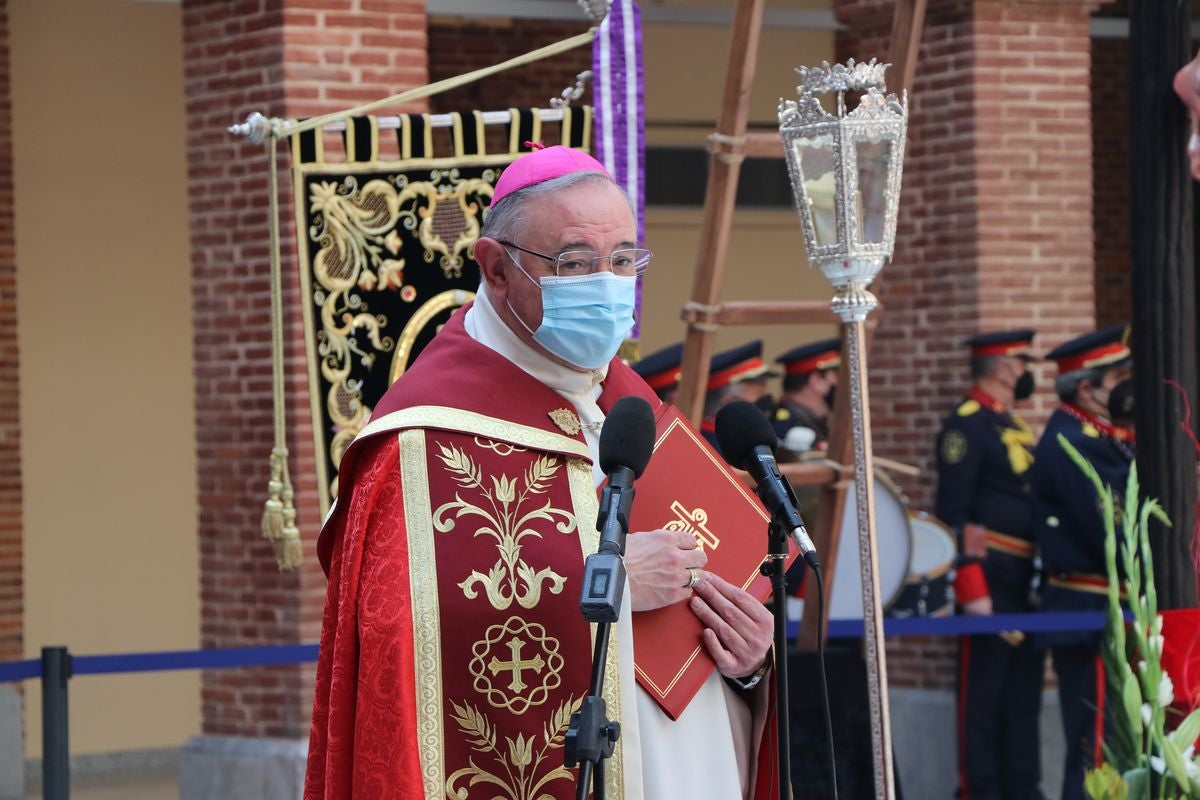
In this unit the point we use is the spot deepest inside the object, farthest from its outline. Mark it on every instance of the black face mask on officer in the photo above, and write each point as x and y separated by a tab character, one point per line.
1120	402
1024	386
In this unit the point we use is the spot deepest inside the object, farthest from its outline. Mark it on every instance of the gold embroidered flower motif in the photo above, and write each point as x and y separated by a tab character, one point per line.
508	511
521	770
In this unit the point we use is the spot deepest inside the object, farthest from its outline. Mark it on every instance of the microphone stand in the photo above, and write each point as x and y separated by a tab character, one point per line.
591	737
773	568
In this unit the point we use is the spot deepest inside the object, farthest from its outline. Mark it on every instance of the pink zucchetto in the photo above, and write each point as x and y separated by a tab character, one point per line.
543	164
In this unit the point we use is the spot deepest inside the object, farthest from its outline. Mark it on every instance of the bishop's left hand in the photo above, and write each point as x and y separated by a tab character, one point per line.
738	630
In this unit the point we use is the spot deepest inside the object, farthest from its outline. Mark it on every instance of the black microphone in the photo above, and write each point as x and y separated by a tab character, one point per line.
626	442
746	438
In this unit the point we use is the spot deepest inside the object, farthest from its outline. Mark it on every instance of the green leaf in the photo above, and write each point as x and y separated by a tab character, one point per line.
1175	762
1131	699
1138	781
1187	732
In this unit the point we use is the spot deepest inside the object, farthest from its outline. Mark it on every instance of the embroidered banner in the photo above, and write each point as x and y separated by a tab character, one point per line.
386	251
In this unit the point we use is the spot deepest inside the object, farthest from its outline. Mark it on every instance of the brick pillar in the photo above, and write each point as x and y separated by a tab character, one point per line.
12	593
285	58
995	225
1110	160
11	582
995	232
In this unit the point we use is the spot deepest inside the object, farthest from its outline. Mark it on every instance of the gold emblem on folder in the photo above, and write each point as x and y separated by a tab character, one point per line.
694	522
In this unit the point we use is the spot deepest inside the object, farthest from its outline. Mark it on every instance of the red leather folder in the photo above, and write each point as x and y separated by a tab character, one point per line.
687	486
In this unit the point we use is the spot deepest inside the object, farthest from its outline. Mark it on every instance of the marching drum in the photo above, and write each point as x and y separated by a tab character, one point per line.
928	588
894	545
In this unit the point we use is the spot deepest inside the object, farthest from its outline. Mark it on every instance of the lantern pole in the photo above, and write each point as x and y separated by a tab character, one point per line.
845	171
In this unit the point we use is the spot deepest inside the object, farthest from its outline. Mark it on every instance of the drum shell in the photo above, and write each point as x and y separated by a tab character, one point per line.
929	587
893	540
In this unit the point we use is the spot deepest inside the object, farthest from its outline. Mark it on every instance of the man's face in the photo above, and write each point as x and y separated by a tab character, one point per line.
1114	376
751	391
587	216
1097	396
824	381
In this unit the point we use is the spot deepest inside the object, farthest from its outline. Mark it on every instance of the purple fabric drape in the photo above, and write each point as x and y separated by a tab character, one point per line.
619	90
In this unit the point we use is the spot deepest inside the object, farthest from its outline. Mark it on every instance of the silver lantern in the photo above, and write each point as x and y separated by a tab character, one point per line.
845	170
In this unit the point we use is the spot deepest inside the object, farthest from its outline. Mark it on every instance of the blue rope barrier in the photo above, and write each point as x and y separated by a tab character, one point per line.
266	655
1034	622
16	671
278	655
223	658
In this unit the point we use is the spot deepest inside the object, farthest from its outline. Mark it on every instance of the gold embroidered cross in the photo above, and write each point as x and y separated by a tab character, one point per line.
515	645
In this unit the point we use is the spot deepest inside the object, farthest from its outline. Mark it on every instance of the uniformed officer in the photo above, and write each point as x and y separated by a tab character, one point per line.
984	455
810	376
1095	385
660	371
736	374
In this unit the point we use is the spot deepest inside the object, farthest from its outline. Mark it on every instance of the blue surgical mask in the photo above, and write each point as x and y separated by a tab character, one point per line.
585	318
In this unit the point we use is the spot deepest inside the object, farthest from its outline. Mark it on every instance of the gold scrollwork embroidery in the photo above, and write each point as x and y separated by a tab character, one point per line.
499	448
516	665
693	522
523	768
507	519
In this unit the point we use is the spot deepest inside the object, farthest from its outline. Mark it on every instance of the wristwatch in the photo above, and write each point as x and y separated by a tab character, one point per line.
750	681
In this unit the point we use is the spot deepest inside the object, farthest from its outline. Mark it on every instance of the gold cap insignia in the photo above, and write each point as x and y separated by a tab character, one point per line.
566	420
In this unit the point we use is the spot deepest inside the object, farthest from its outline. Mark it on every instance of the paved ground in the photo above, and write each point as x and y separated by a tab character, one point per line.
158	784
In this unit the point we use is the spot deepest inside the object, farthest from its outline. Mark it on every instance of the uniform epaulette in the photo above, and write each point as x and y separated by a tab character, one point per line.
968	408
782	414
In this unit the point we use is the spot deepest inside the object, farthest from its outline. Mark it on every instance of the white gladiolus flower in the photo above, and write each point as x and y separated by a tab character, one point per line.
1146	714
1156	626
1155	644
1157	764
1166	690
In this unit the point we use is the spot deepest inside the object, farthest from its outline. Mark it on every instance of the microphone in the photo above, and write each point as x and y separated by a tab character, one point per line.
746	439
626	443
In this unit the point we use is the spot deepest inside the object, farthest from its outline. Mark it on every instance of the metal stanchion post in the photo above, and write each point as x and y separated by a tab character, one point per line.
56	753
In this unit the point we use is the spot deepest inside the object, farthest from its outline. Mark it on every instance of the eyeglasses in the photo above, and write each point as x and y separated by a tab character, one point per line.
625	262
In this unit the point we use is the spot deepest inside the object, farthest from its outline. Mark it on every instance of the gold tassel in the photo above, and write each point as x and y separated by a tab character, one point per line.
287	549
272	519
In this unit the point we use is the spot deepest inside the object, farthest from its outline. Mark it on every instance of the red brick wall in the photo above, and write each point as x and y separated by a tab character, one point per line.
292	58
11	582
458	46
995	226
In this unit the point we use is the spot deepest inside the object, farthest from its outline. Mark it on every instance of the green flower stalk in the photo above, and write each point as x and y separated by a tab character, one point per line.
1144	762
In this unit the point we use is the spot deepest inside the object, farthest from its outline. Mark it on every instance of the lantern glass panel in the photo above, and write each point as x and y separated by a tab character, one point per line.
873	157
818	171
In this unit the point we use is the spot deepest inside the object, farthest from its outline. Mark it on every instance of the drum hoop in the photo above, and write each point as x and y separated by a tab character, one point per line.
942	570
